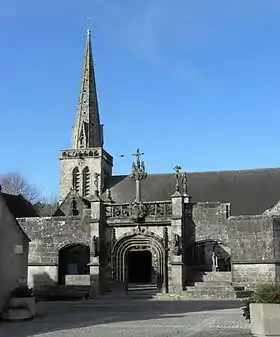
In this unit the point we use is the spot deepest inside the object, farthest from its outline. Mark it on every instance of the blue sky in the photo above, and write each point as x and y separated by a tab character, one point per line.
194	83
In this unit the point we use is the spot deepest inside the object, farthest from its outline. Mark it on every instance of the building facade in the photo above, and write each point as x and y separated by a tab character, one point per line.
14	244
179	232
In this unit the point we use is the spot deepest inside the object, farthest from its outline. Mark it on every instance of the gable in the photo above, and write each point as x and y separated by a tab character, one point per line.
72	202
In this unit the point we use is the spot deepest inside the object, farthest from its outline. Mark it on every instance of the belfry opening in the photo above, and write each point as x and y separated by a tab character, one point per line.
139	266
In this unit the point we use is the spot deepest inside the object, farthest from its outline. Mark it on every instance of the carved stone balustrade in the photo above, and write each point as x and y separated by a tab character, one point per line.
150	211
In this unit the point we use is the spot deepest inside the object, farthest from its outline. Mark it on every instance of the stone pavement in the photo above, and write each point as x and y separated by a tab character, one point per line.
133	318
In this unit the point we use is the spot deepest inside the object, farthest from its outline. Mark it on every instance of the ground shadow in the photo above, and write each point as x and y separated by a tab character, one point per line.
65	315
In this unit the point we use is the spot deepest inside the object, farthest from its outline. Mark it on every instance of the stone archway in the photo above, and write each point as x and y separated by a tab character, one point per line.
73	259
133	248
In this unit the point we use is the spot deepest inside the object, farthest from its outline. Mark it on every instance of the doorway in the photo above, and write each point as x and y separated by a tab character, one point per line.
139	266
73	260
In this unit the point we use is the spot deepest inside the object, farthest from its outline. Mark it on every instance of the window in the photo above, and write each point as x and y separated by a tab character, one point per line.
86	181
76	179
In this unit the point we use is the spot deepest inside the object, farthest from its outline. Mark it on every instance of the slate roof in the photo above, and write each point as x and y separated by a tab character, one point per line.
250	192
19	206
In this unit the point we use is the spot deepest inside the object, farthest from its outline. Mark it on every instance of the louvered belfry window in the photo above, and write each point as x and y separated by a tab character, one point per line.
76	179
86	181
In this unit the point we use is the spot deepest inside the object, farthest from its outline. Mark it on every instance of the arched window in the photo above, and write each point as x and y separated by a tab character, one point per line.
76	179
86	181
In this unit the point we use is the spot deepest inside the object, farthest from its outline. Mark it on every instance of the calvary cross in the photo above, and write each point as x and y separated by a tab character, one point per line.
138	173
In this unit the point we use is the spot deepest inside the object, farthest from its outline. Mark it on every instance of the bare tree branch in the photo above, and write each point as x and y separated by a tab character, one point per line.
15	183
46	206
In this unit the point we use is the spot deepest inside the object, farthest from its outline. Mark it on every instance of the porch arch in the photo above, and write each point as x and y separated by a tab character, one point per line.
73	259
139	241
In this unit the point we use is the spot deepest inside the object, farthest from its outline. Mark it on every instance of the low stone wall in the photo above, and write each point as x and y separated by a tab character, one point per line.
251	275
81	280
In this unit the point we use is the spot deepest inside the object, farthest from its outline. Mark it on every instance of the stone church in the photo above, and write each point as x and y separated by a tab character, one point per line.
178	232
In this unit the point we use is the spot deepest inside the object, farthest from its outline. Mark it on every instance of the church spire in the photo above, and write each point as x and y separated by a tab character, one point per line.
87	131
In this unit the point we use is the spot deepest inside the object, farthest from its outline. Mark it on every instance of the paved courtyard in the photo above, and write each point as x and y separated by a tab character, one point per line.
132	318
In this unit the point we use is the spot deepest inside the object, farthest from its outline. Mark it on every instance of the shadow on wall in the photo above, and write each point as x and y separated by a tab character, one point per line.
40	280
46	289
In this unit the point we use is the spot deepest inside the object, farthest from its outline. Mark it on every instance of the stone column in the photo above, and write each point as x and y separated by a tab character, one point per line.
95	235
176	260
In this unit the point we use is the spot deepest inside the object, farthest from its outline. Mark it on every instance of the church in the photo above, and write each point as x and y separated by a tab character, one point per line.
202	234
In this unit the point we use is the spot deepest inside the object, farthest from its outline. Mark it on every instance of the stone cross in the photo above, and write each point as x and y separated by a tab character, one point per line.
177	170
138	173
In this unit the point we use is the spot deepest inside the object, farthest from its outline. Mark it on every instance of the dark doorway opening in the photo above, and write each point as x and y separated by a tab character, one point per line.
139	266
73	260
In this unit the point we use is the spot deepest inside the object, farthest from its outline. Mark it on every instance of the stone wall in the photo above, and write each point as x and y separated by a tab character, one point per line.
210	220
48	235
251	275
253	239
13	253
253	254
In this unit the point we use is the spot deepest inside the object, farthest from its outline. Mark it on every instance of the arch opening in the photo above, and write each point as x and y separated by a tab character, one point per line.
212	255
139	259
139	265
73	260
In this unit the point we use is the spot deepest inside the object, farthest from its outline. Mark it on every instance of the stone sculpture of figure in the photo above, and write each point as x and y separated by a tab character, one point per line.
74	210
176	244
214	261
95	248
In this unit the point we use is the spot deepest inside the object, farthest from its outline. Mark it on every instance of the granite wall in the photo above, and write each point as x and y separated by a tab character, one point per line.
48	235
253	253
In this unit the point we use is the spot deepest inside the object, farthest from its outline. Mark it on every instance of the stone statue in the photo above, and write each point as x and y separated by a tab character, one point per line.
74	210
214	261
177	170
137	211
95	248
176	244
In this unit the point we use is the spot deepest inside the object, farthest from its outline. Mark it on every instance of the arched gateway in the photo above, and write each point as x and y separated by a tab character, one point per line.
140	258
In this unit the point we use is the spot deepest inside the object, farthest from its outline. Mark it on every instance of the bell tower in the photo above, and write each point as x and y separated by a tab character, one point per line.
86	160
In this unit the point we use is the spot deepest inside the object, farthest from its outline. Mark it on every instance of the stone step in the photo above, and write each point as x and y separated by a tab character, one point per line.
217	276
213	285
215	294
142	287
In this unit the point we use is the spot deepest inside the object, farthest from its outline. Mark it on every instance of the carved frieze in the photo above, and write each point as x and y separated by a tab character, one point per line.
139	210
140	247
79	153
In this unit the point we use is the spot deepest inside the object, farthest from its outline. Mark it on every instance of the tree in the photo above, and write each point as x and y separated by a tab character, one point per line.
15	183
46	206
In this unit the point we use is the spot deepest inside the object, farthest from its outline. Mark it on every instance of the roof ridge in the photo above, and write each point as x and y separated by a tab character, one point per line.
210	171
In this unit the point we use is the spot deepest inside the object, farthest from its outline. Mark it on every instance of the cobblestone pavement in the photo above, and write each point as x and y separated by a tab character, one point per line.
132	318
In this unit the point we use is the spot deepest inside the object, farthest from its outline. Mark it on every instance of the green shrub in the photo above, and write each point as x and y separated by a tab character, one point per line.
267	293
22	291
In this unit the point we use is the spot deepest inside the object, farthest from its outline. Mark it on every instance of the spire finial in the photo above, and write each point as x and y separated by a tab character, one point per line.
88	26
